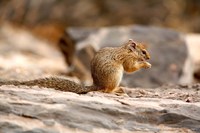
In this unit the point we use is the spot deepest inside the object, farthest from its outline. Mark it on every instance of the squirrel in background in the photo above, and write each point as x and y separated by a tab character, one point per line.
107	68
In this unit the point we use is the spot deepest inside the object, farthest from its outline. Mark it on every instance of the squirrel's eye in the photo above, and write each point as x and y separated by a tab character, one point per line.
144	52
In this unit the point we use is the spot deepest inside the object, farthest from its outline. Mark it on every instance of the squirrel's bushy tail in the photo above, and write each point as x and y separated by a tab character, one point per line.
53	82
9	82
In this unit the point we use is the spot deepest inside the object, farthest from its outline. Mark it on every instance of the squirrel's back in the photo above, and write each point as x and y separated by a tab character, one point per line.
106	71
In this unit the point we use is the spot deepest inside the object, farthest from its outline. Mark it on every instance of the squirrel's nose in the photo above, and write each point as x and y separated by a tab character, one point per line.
147	57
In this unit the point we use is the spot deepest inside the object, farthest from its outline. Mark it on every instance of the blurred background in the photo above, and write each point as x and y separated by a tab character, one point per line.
182	15
48	18
30	25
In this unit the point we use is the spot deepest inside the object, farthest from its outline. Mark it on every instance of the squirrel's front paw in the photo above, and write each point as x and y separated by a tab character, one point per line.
147	65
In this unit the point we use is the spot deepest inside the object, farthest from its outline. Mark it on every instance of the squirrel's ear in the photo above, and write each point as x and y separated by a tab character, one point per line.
131	44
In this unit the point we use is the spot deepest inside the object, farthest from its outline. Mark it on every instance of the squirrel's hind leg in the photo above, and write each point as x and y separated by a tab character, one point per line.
119	91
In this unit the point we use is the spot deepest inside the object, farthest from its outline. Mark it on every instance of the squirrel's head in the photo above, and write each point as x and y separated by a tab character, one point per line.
137	50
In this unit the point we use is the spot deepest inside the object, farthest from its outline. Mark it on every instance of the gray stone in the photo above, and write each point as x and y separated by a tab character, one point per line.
167	49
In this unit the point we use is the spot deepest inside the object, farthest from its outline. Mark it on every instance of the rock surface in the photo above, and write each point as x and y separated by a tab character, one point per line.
167	49
42	110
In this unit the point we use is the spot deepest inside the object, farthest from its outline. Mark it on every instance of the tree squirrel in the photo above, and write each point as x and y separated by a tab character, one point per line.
107	69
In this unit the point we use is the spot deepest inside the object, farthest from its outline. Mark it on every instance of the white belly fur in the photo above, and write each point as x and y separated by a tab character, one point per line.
120	75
